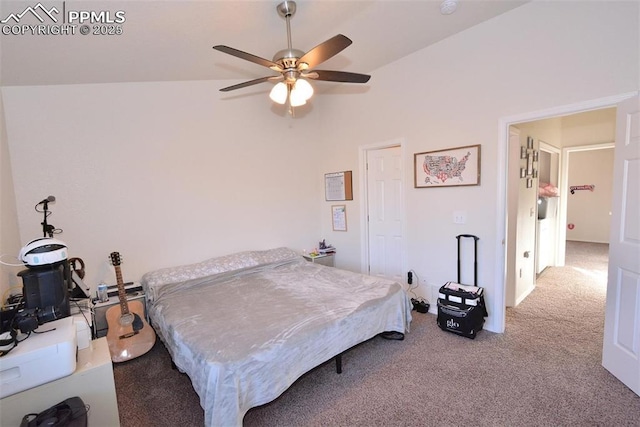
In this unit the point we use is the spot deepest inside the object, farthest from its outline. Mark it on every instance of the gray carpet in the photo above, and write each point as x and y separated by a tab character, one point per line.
545	370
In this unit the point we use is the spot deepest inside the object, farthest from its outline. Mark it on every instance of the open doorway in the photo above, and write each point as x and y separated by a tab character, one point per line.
620	354
502	247
539	192
587	172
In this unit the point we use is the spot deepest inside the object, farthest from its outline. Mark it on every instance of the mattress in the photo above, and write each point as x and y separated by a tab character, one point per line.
244	327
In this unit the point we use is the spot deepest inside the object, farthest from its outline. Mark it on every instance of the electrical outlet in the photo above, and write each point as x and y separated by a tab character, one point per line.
459	217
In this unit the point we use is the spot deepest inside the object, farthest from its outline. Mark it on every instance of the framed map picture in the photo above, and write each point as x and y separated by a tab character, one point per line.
447	168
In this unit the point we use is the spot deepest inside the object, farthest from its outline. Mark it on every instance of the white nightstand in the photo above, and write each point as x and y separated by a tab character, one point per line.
92	381
323	259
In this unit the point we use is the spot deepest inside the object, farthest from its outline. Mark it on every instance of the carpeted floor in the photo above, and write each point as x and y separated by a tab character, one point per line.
545	370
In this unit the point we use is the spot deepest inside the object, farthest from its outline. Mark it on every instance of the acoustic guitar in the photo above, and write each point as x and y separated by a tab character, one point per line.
129	335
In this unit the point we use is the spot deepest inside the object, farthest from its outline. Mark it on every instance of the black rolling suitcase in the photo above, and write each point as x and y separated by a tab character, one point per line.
461	308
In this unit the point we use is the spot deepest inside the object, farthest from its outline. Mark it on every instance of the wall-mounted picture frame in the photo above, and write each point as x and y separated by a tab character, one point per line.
451	167
530	143
529	182
523	152
339	217
523	173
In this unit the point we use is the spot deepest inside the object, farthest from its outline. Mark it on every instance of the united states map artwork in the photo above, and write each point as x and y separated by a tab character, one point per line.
440	169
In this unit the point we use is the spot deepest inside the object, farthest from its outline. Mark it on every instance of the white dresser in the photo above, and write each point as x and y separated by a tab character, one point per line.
92	381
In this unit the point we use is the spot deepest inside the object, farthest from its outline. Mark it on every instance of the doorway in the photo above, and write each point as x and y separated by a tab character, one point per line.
537	215
498	306
576	161
383	211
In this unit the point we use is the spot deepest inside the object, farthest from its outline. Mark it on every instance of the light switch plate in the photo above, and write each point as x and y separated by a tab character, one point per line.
459	217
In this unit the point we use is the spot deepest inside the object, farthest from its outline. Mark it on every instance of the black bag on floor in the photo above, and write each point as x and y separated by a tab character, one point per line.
71	412
461	309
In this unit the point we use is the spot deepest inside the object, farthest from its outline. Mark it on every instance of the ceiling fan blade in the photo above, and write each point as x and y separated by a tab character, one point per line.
248	57
324	51
337	76
251	83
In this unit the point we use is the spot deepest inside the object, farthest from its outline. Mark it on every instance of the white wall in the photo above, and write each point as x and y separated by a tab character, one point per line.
590	211
589	128
9	236
526	222
548	131
538	56
164	173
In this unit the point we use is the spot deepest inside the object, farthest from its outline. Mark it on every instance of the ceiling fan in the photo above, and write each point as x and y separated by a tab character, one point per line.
295	67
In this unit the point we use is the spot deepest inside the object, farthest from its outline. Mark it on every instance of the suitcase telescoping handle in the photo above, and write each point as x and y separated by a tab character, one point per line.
475	256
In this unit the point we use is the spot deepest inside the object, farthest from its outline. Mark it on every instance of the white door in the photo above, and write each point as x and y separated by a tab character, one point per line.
621	344
385	212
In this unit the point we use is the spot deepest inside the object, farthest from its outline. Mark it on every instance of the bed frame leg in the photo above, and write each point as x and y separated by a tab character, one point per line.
339	364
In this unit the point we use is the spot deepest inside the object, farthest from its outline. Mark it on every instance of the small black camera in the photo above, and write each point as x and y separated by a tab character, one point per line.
29	319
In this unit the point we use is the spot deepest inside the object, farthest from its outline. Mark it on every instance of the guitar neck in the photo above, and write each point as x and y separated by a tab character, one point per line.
122	296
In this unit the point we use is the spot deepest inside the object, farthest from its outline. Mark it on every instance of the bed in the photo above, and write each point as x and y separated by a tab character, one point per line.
245	326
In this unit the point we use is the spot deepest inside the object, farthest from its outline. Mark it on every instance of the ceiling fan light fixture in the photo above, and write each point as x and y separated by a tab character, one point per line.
297	97
279	93
304	88
292	64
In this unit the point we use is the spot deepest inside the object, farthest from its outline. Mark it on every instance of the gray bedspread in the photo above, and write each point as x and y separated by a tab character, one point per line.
244	336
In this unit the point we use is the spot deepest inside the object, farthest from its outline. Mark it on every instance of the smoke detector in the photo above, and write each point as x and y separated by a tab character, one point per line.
447	7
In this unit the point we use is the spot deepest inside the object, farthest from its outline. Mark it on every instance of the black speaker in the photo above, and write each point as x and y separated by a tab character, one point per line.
46	288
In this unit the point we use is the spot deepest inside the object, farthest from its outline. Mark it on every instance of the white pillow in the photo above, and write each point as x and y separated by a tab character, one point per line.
154	280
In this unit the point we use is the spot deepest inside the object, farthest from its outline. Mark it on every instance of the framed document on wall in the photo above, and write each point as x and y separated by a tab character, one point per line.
338	186
339	217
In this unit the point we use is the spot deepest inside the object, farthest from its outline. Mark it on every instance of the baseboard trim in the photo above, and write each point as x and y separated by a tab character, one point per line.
524	295
587	241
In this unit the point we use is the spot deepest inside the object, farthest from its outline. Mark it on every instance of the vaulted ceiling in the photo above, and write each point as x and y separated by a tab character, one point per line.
172	40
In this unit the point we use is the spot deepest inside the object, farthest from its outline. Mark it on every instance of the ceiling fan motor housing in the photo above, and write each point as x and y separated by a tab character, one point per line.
286	8
288	57
288	60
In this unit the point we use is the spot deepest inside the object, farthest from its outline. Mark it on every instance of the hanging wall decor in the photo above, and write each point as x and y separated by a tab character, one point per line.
447	168
339	217
338	186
